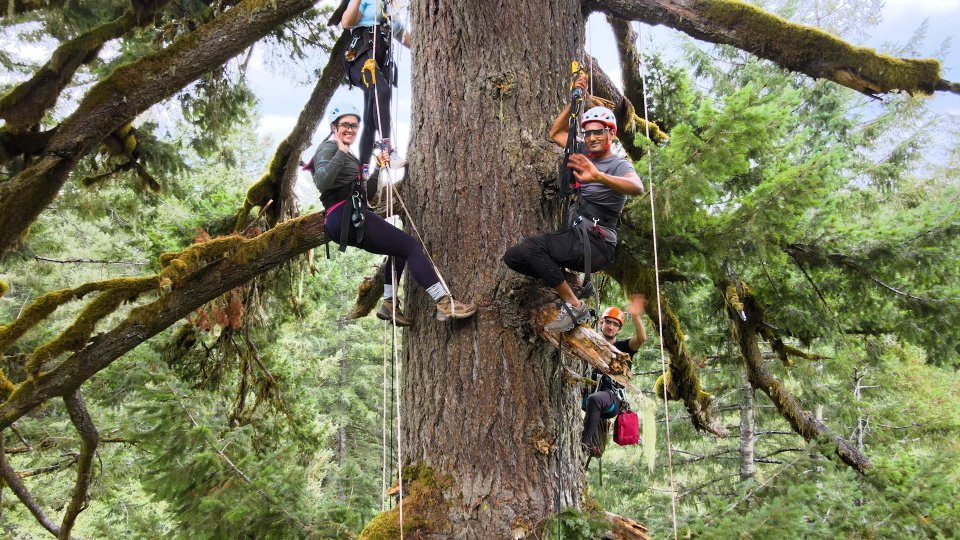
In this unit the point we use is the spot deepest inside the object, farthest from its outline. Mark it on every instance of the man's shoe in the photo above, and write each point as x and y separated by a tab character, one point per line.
387	313
569	317
585	291
448	308
589	451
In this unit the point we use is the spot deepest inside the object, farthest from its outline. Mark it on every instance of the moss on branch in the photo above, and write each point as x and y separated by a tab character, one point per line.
176	267
682	380
795	45
25	105
113	293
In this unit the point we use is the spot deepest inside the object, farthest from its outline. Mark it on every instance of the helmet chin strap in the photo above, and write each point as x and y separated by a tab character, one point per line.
605	147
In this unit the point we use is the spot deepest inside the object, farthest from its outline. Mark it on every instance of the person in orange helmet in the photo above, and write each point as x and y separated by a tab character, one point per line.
605	401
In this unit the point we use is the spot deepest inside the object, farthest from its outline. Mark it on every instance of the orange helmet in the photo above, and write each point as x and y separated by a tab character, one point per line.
614	313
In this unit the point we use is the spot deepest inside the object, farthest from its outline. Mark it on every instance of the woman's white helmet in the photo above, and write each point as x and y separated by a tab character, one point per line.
343	109
600	114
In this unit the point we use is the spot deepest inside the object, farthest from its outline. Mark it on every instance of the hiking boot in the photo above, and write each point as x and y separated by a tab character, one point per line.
585	291
448	308
568	318
386	313
589	451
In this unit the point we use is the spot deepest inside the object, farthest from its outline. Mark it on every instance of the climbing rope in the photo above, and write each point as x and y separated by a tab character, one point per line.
656	269
559	429
393	275
383	438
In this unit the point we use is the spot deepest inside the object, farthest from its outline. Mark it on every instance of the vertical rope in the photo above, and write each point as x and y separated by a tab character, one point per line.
383	438
393	275
656	269
559	430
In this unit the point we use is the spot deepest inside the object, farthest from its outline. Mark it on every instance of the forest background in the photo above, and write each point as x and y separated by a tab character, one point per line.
277	381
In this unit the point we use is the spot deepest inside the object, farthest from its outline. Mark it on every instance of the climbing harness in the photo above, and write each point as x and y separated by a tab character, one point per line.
656	269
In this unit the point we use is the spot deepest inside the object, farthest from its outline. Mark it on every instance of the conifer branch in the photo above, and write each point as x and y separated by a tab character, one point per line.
236	469
89	440
88	261
15	484
746	317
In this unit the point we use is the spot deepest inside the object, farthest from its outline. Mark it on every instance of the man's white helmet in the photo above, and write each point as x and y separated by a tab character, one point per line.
343	109
600	114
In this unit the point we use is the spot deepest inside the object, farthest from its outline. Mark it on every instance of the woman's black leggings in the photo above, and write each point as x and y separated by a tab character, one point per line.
383	238
374	118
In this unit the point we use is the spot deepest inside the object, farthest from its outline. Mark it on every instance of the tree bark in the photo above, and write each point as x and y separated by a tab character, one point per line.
796	47
478	394
127	92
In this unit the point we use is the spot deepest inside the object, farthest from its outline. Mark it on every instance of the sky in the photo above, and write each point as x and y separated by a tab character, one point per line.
281	98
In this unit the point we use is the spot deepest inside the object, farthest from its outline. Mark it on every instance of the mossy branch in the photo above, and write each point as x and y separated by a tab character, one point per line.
19	7
745	327
784	351
277	184
130	90
796	47
24	144
681	381
24	106
250	259
113	292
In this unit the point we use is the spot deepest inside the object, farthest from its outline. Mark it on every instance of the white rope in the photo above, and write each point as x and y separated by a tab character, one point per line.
656	269
393	276
383	438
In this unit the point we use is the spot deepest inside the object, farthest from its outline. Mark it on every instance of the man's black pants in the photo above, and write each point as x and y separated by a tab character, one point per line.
545	256
602	404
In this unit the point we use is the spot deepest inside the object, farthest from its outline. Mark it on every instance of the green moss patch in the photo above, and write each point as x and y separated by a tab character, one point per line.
424	507
811	50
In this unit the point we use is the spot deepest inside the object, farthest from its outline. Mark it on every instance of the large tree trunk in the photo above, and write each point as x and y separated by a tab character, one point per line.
478	395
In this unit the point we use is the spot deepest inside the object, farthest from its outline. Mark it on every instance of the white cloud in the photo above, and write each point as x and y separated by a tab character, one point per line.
276	126
928	7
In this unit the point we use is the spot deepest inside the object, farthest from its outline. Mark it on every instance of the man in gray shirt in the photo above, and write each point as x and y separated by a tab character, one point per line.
605	180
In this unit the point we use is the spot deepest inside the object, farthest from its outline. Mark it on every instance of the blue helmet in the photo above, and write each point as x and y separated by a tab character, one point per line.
343	109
